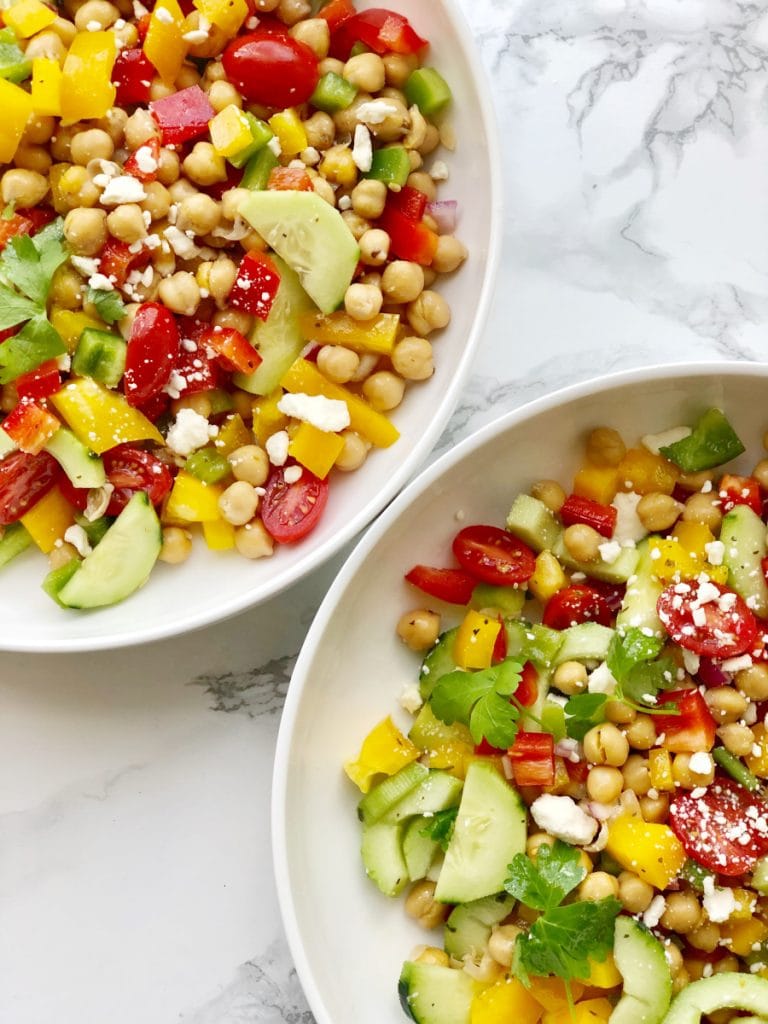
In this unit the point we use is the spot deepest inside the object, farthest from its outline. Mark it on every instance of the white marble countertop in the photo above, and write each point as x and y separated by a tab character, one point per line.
135	875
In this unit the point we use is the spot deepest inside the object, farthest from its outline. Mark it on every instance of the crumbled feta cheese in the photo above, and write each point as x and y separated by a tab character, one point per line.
439	171
601	680
700	763
188	432
163	15
145	161
718	903
124	189
362	148
292	474
410	698
277	447
177	383
628	525
345	203
100	282
85	265
655	910
183	246
329	414
64	362
655	442
609	551
715	550
78	538
376	111
93	26
310	156
691	662
563	818
737	664
274	146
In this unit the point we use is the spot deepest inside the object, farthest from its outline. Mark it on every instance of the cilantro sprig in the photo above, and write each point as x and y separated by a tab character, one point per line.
109	305
633	659
582	712
566	937
481	700
440	827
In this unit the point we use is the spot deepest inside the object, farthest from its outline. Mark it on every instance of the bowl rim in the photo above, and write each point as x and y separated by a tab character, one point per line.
410	465
301	674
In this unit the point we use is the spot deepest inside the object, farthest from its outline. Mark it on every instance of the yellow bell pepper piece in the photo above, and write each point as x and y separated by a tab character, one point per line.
16	105
473	646
219	534
694	537
192	501
47	520
316	450
384	751
101	418
548	577
46	86
652	851
605	974
267	418
758	762
503	1002
165	46
449	747
232	434
27	17
376	335
290	131
228	15
660	768
552	993
746	904
589	1011
86	83
70	325
230	131
643	472
600	483
676	561
304	377
741	936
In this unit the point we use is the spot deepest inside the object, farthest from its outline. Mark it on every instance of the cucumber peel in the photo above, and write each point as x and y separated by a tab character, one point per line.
720	992
647	989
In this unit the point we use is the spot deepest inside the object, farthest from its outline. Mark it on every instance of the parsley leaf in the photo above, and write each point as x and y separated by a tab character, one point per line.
646	680
14	308
480	700
109	305
29	263
583	711
545	884
628	648
36	343
631	661
564	940
440	826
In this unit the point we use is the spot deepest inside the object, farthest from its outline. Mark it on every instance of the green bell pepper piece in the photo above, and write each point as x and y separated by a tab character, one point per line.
712	442
208	465
258	169
428	90
14	540
333	93
390	165
14	66
261	133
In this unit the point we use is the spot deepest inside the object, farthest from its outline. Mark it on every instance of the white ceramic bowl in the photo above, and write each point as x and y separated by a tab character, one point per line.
348	941
210	587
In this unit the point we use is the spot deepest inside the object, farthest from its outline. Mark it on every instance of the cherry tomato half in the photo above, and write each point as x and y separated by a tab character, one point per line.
725	828
153	348
24	479
271	69
290	511
719	628
451	585
493	555
132	469
574	605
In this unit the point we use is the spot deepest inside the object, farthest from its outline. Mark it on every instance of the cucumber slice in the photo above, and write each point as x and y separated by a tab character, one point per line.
419	851
6	444
83	467
647	978
122	561
743	534
490	829
438	662
383	797
760	875
431	994
279	338
13	541
382	853
533	523
101	355
614	572
588	641
469	925
532	642
311	237
720	992
437	792
638	607
508	600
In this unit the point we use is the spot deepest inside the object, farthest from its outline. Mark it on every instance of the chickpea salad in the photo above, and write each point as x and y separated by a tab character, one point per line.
219	237
580	802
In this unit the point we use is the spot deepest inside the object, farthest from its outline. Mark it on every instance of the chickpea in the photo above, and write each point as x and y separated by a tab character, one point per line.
85	231
320	130
420	904
634	893
125	325
429	312
139	128
374	247
64	29
384	390
570	677
39	130
253	541
550	493
449	255
368	199
113	123
204	166
433	955
23	188
681	980
95	12
636	774
424	183
180	293
682	913
292	11
673	956
687	779
753	681
419	629
736	738
641	732
619	713
199	403
402	281
157	201
159	89
598	886
61	141
235	318
362	301
605	447
61	555
354	452
726	704
501	944
431	140
46	44
658	512
238	503
365	71
760	473
536	841
221	278
198	213
727	965
414	159
415	137
231	202
356	224
177	545
77	188
168	167
605	744
93	144
324	189
67	288
398	68
655	808
223	94
337	363
706	937
604	784
583	542
249	463
412	359
126	35
704	509
314	33
33	158
126	223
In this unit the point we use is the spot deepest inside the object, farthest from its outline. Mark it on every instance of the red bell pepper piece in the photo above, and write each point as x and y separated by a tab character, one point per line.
410	202
577	770
336	12
408	239
532	756
143	162
289	179
499	644
381	30
740	490
116	260
528	688
24	222
484	749
30	426
256	285
39	383
590	513
183	116
234	350
692	729
132	75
